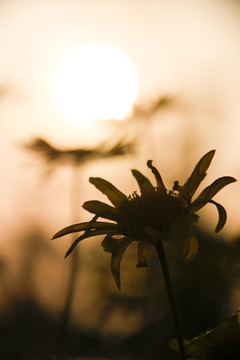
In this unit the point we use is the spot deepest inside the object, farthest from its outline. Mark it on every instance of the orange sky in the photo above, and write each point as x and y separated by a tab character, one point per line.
183	49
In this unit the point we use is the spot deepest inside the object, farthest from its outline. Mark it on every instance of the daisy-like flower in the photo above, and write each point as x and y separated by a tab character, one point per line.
154	215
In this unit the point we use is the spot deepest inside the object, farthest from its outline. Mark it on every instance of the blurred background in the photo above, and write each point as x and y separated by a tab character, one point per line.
94	89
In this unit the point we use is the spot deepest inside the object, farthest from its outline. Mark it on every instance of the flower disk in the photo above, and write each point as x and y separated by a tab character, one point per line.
155	209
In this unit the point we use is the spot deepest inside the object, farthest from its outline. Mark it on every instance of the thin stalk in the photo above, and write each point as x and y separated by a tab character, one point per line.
71	286
164	265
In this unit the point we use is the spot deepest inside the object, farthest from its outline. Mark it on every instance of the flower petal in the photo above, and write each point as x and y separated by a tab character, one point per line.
181	249
144	254
222	216
143	182
190	248
101	209
157	175
182	228
116	246
198	174
83	227
209	192
114	195
88	234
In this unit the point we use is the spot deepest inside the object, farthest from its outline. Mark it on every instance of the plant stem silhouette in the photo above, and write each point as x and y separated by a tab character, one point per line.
164	265
71	285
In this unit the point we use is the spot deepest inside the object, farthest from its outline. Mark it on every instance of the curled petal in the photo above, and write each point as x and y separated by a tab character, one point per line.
144	254
210	191
100	225
221	214
190	249
116	246
114	195
101	209
143	182
181	249
157	175
198	174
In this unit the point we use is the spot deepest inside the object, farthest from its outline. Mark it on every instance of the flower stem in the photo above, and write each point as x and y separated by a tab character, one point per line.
63	331
164	265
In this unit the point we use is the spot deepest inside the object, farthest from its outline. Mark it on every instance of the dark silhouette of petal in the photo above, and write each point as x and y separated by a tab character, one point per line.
198	174
114	195
144	254
222	216
101	209
111	230
157	175
83	227
143	182
210	191
116	246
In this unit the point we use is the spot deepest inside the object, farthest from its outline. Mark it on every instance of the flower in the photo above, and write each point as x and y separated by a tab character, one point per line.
221	343
156	213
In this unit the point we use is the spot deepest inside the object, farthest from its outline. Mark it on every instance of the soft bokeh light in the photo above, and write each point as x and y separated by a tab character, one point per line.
96	81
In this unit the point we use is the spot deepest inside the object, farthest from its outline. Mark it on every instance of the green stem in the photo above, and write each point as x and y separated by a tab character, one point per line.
164	265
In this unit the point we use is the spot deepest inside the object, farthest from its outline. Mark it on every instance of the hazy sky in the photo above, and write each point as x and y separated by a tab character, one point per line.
188	50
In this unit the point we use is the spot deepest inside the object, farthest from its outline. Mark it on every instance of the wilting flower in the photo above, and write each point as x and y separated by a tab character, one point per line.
154	214
221	343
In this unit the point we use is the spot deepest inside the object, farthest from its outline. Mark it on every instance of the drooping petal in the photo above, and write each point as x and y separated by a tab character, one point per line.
144	254
83	227
209	192
198	174
190	248
101	209
114	195
182	228
181	249
221	214
143	182
157	175
116	246
91	233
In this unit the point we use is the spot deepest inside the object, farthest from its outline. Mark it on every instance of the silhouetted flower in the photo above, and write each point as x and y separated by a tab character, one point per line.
157	213
221	343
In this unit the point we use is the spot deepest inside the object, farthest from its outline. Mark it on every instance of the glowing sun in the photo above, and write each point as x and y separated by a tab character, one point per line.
95	82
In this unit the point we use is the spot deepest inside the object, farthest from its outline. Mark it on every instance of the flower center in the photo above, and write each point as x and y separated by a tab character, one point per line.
156	209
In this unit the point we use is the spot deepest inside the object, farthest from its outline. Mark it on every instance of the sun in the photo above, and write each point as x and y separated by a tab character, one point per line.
95	82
